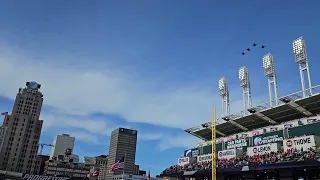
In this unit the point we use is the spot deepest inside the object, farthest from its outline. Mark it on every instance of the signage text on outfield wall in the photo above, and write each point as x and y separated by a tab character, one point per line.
304	142
41	177
237	143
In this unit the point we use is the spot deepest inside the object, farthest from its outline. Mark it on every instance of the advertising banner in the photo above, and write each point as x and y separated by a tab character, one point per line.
267	148
37	177
313	120
183	161
237	143
244	135
188	153
267	138
227	154
195	152
192	152
288	125
291	124
208	149
304	142
254	133
204	158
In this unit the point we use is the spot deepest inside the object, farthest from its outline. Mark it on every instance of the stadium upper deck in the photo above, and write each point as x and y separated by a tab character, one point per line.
293	106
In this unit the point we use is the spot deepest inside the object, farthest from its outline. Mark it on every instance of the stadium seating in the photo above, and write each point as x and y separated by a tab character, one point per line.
245	160
282	156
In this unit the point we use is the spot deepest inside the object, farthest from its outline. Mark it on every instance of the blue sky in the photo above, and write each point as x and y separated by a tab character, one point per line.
151	65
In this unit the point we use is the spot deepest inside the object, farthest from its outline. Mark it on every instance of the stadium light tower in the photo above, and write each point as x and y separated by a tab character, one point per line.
269	71
300	53
246	90
224	93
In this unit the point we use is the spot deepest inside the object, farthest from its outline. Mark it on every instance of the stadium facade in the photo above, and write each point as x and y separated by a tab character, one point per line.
276	140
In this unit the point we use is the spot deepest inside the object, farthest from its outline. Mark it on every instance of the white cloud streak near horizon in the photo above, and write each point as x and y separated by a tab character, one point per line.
78	91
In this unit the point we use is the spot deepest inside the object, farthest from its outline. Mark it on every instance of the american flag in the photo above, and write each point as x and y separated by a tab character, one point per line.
95	172
117	165
149	178
4	113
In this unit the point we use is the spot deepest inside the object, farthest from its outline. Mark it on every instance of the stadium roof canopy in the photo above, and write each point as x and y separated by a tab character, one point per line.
294	106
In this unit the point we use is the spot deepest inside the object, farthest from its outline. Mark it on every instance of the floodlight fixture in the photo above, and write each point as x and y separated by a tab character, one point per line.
223	86
246	91
244	77
269	71
252	110
299	50
300	53
226	118
224	93
268	65
286	100
205	125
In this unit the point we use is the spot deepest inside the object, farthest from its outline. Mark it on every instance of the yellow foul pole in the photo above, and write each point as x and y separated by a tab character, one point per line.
213	129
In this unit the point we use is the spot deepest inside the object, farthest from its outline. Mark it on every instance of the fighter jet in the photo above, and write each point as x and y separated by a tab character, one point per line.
254	44
243	53
248	49
263	46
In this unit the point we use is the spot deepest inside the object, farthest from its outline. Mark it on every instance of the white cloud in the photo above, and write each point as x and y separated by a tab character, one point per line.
85	137
88	130
186	141
149	136
56	122
82	91
168	140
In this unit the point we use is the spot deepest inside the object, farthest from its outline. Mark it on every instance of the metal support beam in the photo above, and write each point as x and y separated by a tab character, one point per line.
299	108
209	125
238	125
266	118
190	132
222	134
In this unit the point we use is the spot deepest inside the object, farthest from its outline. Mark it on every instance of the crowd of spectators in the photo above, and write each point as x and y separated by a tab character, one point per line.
245	160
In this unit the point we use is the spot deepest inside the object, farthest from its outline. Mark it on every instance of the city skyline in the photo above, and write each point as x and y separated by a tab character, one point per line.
149	66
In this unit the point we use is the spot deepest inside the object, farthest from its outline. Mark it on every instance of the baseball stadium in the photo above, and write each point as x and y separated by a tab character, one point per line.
275	140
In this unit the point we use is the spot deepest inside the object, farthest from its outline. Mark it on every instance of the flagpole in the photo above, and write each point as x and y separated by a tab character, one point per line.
213	144
125	154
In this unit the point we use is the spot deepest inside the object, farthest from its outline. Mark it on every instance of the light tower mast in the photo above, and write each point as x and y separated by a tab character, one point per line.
246	90
300	53
269	71
224	93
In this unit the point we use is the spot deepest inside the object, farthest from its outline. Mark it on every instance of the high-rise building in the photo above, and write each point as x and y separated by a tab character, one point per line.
3	130
39	164
88	160
75	158
60	144
20	145
98	162
123	142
